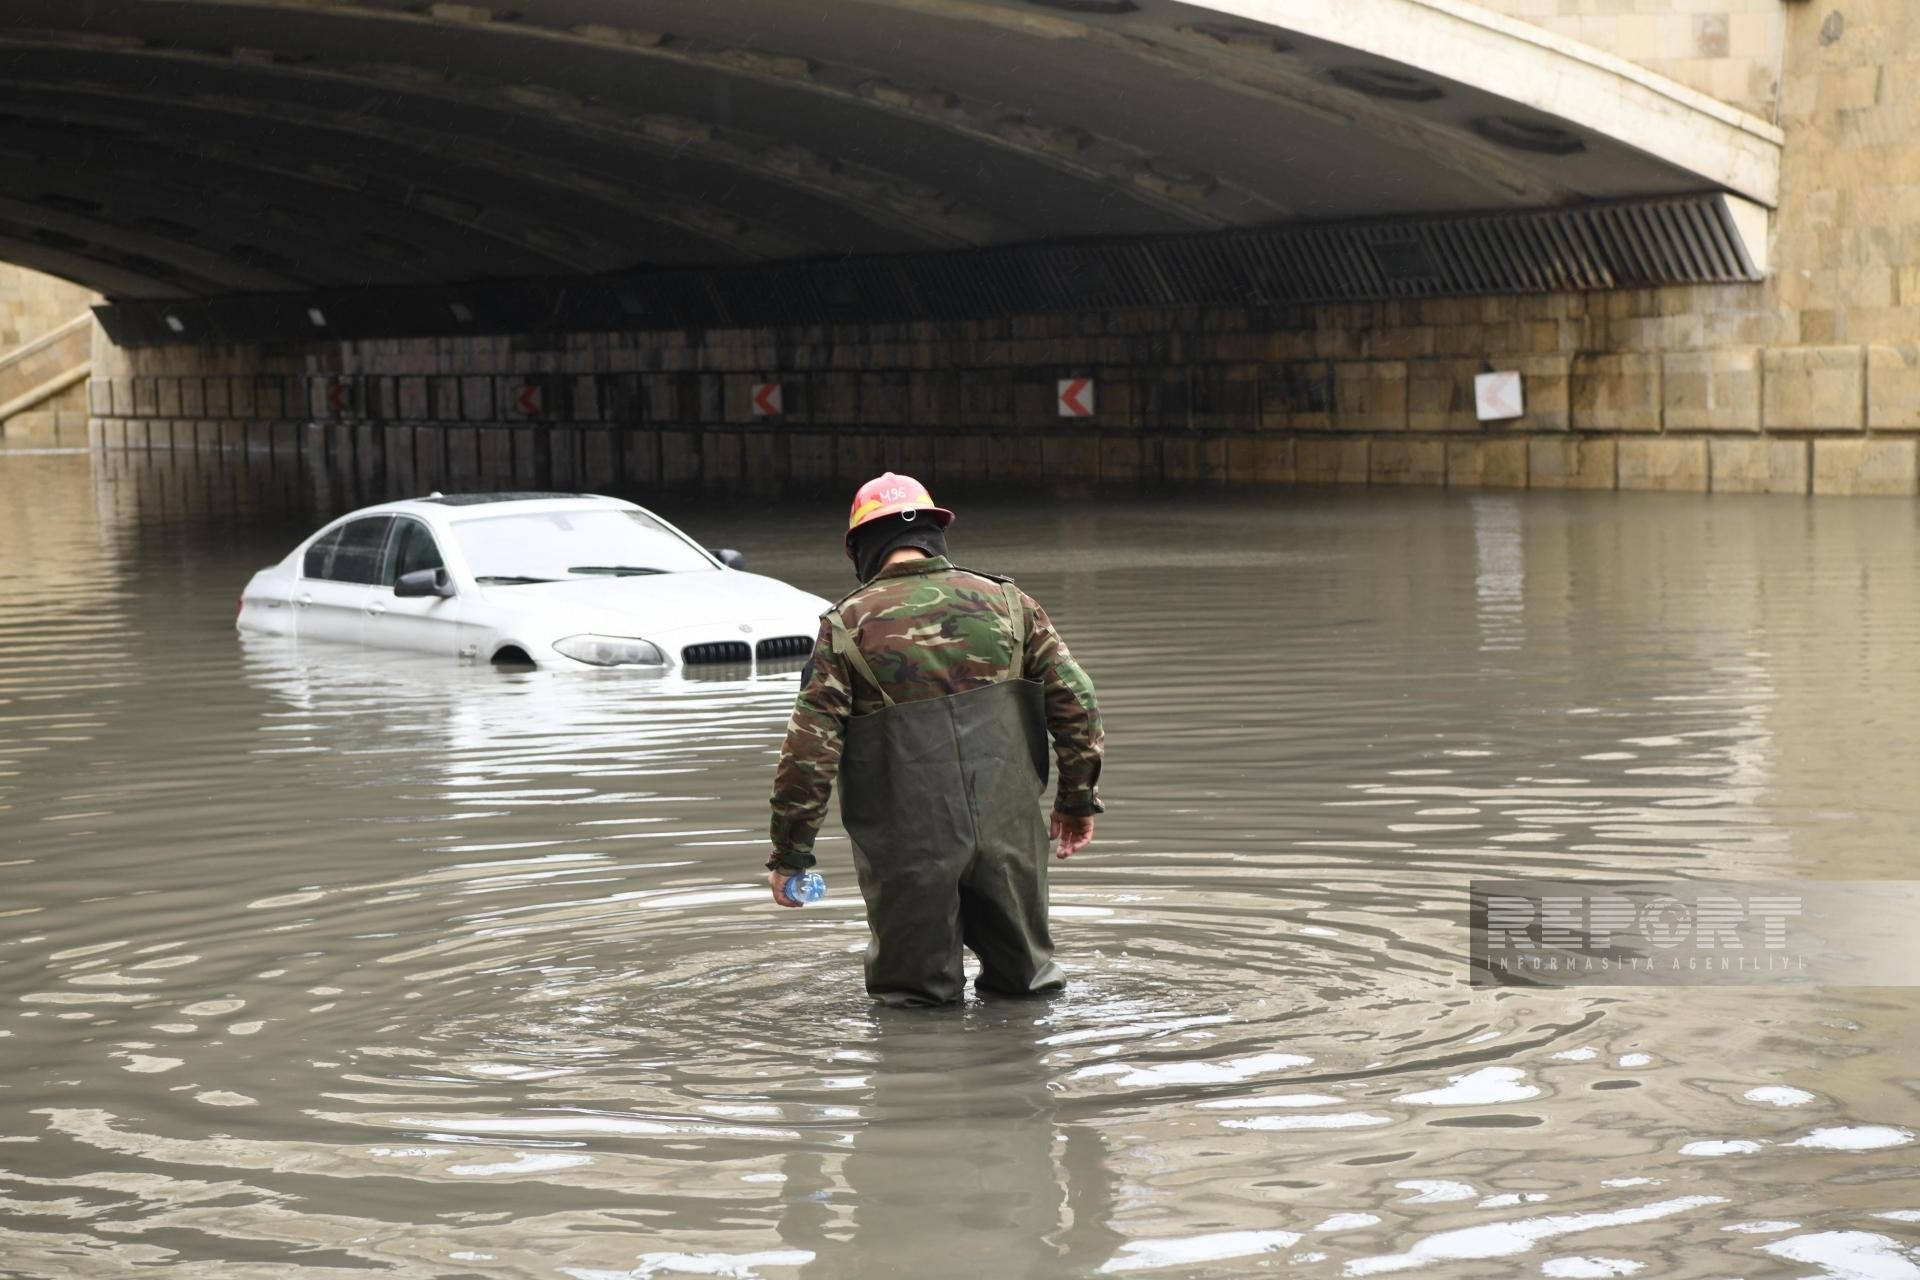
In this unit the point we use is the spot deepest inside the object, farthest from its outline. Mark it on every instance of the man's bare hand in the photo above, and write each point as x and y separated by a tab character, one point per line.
777	880
1071	834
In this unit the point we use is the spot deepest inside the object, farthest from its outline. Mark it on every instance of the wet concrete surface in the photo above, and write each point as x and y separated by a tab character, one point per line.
317	961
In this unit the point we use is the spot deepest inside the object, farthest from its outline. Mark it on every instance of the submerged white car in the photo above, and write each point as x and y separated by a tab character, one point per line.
561	580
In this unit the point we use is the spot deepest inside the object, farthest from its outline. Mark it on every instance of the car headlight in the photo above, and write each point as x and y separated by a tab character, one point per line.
610	651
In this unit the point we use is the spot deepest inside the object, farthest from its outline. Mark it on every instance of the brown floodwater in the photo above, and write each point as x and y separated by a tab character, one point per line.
318	962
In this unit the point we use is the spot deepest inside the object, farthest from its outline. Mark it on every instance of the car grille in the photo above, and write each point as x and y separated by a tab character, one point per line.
695	655
784	647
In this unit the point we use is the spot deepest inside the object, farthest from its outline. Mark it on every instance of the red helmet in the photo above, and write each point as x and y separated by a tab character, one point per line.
892	495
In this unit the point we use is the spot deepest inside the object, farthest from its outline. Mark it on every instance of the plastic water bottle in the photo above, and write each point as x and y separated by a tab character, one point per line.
806	886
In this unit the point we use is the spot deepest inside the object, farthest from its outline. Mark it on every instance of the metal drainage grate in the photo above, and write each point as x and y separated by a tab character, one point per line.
696	655
783	647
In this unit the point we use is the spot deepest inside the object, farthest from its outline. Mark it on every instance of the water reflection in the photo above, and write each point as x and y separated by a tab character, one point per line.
321	959
955	1136
1500	579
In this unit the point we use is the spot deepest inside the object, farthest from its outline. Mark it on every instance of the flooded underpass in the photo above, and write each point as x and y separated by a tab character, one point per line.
316	961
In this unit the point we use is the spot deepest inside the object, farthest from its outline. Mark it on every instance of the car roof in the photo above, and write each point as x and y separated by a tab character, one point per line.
481	499
445	506
442	510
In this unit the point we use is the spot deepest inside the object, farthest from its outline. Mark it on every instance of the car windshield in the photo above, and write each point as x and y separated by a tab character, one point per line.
555	545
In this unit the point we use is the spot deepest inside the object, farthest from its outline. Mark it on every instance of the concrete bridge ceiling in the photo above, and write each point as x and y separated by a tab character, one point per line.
162	149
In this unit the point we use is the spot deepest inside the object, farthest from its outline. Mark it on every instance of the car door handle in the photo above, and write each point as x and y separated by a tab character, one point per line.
375	609
303	600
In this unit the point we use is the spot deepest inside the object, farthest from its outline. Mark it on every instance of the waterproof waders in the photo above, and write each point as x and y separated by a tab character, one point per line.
941	798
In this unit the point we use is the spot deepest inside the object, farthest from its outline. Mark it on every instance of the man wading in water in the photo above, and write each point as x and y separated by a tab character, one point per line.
931	694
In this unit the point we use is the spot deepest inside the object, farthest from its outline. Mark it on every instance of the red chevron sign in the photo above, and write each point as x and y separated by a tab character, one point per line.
1076	397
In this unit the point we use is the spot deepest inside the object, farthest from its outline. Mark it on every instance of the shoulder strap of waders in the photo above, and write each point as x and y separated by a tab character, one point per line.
849	651
1017	621
1016	617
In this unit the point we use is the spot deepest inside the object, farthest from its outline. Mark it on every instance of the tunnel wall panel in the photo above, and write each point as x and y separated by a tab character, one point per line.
1350	394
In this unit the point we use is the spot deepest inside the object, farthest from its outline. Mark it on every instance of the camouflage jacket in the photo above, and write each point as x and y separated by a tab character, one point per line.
928	630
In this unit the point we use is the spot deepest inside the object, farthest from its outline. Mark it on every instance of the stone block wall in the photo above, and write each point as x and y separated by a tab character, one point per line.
1377	394
1727	49
33	305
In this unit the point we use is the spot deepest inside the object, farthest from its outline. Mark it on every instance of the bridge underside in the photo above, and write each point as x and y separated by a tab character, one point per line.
168	151
750	244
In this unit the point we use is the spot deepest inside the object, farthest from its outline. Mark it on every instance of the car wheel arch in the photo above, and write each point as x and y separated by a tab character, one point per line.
512	655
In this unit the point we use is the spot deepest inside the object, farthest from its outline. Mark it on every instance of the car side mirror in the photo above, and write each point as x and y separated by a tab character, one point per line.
730	558
425	582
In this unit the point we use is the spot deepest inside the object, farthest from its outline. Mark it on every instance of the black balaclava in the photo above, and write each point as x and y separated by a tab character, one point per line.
873	543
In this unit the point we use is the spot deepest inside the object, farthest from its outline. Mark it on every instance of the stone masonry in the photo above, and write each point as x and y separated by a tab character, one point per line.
1727	49
33	306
